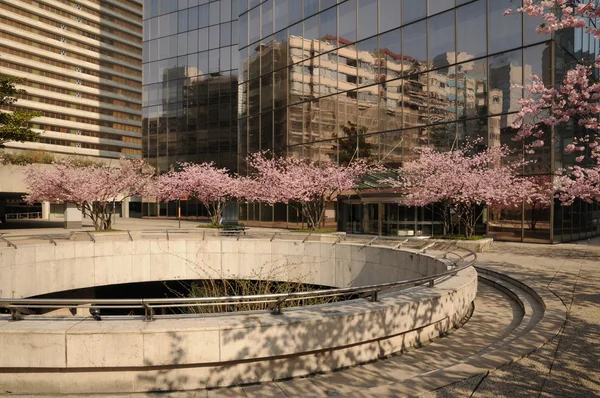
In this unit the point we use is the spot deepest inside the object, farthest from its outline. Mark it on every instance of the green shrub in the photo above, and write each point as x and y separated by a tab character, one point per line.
25	158
210	225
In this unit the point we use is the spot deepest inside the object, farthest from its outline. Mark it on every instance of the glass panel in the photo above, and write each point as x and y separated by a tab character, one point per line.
310	7
266	57
471	82
470	19
281	87
225	34
183	21
538	62
389	14
413	10
204	16
266	92
225	56
311	32
213	36
203	39
441	40
281	14
267	18
243	30
347	68
254	97
436	6
328	24
442	96
295	13
505	69
213	60
414	52
225	10
368	67
193	18
367	15
347	28
254	25
390	57
504	30
214	12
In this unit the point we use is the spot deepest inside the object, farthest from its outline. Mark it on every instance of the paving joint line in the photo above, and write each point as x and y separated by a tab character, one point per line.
568	316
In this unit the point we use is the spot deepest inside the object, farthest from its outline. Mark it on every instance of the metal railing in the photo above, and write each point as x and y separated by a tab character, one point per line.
34	215
456	260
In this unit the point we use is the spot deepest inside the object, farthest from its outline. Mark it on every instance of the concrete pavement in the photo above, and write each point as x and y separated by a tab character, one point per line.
567	366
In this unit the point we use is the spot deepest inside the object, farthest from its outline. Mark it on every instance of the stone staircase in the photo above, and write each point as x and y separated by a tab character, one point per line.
510	320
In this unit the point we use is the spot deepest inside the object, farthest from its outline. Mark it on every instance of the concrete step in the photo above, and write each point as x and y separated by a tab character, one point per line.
506	325
399	373
509	321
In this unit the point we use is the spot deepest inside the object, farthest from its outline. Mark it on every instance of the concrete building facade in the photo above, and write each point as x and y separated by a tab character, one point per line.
81	64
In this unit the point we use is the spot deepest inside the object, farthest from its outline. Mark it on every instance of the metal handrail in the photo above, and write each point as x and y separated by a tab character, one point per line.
18	306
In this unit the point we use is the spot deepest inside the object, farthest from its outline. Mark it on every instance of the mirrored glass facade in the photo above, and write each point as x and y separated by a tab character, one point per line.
190	87
403	73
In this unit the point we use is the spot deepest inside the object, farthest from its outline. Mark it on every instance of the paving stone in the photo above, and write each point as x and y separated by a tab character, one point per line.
264	390
300	388
229	392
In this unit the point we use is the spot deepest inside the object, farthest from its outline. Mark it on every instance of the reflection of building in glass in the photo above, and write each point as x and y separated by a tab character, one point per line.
190	87
408	74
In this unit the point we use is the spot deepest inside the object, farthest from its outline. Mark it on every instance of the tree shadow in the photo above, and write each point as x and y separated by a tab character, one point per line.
262	347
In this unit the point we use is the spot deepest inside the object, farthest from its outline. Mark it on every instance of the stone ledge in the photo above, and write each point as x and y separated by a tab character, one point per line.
477	246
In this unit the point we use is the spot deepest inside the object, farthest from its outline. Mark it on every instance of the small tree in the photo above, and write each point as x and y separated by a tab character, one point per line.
537	195
93	188
13	125
461	181
213	187
312	185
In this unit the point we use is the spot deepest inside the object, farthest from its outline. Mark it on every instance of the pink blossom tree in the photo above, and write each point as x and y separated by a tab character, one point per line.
575	99
93	188
537	195
213	187
579	183
313	185
460	182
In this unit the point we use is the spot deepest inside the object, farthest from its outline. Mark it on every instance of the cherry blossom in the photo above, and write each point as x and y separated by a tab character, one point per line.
577	96
214	187
312	185
576	99
578	183
93	188
460	181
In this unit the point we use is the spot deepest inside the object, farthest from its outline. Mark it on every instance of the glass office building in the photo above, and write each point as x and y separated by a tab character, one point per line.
403	73
190	82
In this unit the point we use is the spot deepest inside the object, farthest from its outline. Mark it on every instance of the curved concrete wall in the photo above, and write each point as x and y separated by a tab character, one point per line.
45	268
80	355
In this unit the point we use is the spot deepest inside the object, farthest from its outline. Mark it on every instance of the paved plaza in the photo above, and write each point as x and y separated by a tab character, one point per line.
567	366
